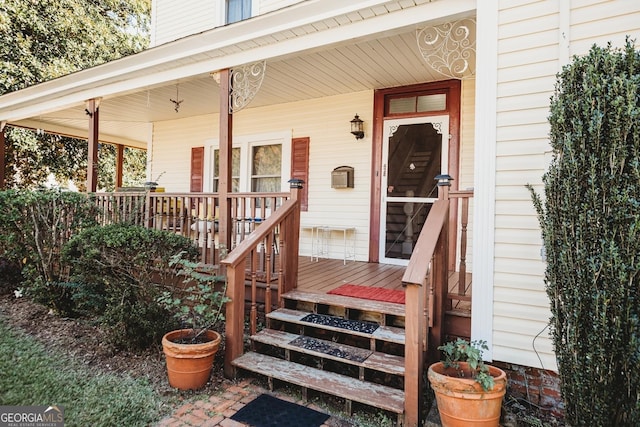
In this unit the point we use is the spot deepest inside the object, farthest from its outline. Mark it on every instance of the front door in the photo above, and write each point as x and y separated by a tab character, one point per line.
415	151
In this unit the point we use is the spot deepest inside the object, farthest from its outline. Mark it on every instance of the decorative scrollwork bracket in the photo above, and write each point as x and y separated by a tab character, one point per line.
450	48
245	83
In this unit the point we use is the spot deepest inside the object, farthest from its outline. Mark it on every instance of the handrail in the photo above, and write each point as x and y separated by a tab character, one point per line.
282	225
429	256
258	235
426	244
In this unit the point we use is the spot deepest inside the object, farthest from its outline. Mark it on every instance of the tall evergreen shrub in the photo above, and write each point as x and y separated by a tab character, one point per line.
590	220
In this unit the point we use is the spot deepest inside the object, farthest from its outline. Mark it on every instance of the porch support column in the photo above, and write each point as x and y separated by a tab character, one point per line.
3	166
235	291
92	161
119	163
226	138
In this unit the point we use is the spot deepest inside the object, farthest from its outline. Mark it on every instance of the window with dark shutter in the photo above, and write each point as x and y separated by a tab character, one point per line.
197	169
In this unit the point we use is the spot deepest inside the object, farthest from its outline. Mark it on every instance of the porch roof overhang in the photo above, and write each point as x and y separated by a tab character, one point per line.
313	49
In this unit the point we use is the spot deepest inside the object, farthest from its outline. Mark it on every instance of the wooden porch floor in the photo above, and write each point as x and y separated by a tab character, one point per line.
327	274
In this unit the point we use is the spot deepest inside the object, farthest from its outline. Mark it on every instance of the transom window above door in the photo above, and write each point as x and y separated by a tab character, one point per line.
403	104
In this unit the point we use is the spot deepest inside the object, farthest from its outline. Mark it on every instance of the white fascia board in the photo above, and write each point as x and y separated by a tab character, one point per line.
292	17
135	72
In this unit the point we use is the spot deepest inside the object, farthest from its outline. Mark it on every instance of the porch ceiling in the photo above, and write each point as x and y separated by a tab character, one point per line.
371	60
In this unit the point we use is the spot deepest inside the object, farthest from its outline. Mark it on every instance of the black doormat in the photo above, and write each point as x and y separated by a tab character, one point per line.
338	322
268	411
332	349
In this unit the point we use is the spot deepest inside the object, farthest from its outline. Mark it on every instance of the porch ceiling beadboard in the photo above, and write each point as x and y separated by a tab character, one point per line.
313	49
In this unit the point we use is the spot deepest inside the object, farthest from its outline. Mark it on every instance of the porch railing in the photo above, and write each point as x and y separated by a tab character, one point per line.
426	282
274	243
194	215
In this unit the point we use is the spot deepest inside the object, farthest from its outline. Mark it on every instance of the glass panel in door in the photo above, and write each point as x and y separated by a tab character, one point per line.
415	152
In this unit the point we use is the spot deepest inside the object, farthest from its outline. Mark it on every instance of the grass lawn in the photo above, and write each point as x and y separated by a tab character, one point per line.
32	375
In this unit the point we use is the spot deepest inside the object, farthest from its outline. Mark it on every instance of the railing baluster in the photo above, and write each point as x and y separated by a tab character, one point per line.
462	270
254	291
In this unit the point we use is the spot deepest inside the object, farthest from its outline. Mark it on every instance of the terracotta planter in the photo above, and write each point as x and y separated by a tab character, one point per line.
462	401
189	365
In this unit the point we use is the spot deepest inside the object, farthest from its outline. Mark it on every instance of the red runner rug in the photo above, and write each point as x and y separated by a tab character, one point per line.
370	292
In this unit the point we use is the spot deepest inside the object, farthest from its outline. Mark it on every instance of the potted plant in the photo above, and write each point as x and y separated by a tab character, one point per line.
200	308
468	392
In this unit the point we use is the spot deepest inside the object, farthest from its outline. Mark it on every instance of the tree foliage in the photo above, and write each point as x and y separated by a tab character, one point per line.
590	220
45	39
134	167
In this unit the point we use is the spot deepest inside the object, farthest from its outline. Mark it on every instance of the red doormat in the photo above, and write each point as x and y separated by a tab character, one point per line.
370	292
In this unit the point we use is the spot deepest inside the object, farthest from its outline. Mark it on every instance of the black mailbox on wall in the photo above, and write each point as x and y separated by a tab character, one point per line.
342	177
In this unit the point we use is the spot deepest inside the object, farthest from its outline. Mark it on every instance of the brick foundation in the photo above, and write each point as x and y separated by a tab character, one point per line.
539	387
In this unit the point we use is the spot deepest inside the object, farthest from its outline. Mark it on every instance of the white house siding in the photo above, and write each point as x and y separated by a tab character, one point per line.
467	124
535	39
265	6
172	20
326	122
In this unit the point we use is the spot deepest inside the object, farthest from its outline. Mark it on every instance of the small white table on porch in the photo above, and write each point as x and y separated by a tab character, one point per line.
321	236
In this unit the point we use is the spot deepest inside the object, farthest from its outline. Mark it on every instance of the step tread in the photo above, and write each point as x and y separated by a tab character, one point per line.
378	361
459	312
383	333
353	389
347	302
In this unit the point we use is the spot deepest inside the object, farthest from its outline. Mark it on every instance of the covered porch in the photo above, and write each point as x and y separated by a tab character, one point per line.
321	62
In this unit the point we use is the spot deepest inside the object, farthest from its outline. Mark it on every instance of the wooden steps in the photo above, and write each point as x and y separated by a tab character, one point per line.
370	394
382	333
346	302
363	364
375	360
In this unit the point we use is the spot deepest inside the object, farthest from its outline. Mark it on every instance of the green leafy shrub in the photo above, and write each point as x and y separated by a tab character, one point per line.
34	226
118	273
590	220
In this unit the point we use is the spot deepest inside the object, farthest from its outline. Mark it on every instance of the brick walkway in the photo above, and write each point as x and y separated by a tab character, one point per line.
218	409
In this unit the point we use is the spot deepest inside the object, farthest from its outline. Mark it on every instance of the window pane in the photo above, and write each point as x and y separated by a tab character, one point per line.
265	185
436	102
237	10
402	105
235	169
266	160
266	167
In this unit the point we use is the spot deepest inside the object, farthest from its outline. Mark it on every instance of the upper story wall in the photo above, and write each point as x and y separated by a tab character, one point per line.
172	20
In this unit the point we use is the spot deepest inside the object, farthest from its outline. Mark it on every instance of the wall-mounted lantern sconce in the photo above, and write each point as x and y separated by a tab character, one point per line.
357	127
